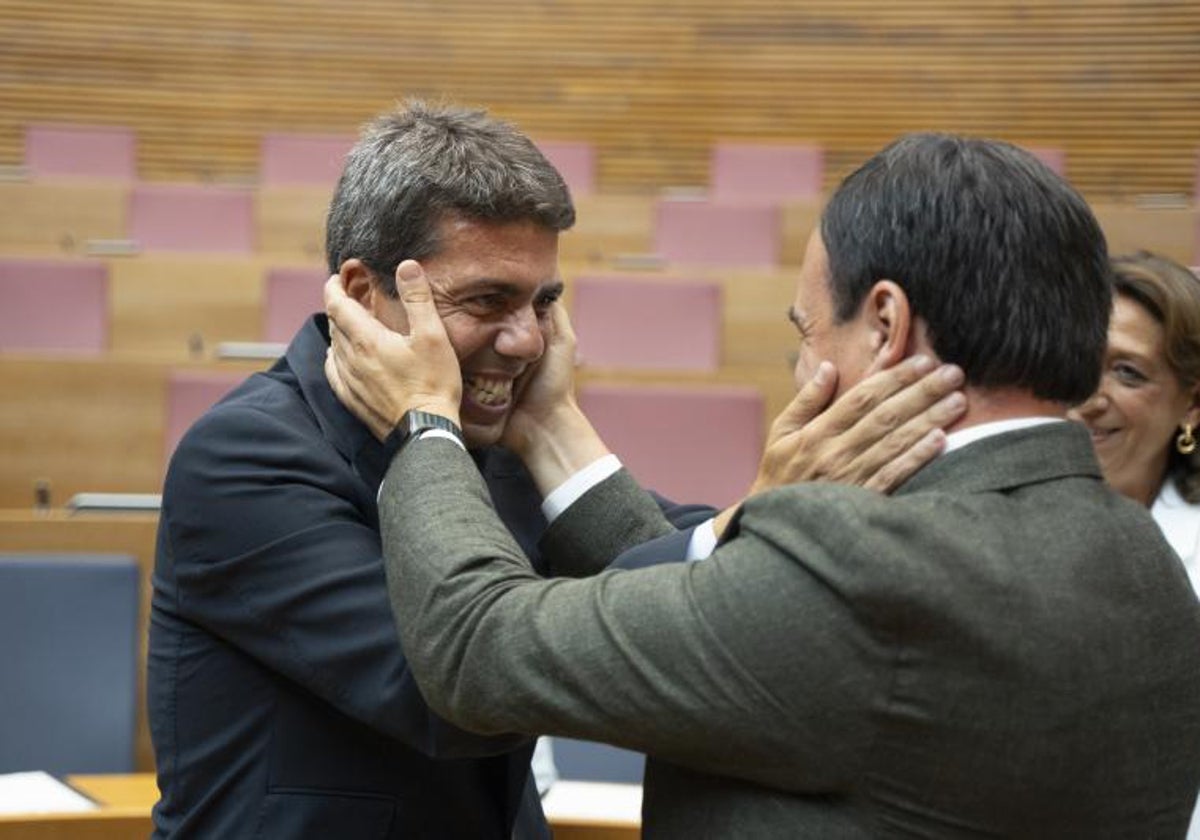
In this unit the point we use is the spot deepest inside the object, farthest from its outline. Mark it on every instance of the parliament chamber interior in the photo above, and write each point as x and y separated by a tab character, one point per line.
165	170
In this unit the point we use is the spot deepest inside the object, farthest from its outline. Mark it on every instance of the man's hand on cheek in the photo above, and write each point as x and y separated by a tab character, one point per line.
548	386
379	374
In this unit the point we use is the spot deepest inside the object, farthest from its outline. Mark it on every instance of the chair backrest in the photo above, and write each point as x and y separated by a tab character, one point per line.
766	172
695	445
1053	157
588	761
184	217
640	322
81	151
575	160
289	159
190	393
290	296
54	305
703	233
69	655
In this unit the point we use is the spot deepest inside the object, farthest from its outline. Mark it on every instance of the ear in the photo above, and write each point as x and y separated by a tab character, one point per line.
888	319
359	283
1192	415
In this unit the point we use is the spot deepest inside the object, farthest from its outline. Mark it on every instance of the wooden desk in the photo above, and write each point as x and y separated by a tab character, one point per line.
126	801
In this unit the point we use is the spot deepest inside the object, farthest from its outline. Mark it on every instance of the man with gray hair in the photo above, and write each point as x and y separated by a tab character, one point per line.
281	703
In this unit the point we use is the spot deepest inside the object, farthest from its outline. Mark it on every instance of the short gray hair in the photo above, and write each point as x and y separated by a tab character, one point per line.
417	164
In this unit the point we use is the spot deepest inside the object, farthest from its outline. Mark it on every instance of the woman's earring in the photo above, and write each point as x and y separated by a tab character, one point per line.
1186	442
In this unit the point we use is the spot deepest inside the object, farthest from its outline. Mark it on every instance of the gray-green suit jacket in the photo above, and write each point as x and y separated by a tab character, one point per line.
1002	648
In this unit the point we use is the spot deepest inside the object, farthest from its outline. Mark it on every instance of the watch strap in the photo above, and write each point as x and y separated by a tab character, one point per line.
412	424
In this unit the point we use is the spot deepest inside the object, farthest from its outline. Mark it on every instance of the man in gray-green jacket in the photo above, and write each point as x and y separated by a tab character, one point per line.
1003	647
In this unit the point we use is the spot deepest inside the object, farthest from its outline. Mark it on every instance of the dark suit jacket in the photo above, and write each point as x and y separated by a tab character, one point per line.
280	701
1003	648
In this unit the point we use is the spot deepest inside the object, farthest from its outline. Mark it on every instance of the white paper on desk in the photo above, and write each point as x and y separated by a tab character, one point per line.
594	802
37	792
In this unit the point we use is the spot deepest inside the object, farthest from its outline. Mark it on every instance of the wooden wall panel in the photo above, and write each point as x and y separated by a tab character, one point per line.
1117	84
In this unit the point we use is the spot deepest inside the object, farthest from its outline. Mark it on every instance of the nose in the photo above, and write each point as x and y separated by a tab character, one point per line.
521	336
1092	407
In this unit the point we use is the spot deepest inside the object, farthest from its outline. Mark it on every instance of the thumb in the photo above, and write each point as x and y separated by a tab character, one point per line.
416	297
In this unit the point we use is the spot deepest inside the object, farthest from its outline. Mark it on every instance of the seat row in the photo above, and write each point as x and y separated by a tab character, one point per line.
177	308
687	230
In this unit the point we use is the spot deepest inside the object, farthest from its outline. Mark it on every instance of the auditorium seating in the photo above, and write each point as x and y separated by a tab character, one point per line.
190	393
689	232
575	160
80	151
647	322
690	444
70	657
191	217
588	761
770	173
291	296
288	159
1168	230
61	217
1053	157
54	305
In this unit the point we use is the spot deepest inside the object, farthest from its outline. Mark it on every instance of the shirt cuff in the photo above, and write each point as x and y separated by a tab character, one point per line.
567	493
442	433
703	541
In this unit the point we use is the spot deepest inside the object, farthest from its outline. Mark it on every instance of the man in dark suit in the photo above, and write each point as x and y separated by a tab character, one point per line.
280	701
1004	647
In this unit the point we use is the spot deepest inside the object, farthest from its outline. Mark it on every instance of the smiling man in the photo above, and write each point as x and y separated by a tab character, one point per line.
280	701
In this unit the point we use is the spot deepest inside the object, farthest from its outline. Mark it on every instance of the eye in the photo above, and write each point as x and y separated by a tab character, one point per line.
488	302
802	326
546	299
1128	374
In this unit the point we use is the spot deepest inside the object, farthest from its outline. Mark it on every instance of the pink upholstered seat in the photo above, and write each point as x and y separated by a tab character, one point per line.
638	322
703	233
81	151
291	296
190	393
53	305
314	159
766	172
575	160
191	218
690	444
1054	158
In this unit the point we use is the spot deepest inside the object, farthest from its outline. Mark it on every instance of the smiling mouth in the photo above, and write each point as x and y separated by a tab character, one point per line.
488	391
1100	436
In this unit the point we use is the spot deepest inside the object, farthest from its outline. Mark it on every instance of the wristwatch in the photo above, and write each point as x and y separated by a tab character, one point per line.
412	424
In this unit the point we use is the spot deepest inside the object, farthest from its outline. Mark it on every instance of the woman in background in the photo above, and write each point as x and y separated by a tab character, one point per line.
1145	416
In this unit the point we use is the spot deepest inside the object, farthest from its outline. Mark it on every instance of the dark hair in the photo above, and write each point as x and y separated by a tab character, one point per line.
1000	257
1170	293
417	164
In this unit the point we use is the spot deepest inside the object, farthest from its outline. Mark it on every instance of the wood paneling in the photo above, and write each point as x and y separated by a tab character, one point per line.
653	84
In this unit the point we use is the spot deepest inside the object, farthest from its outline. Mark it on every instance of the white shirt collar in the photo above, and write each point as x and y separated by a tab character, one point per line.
959	439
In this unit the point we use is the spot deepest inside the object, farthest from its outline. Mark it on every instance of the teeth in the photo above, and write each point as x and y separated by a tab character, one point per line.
487	391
